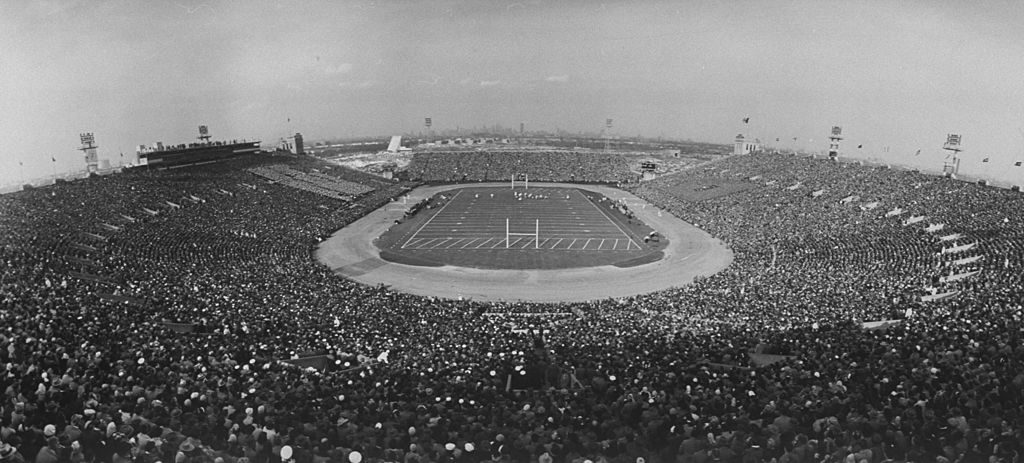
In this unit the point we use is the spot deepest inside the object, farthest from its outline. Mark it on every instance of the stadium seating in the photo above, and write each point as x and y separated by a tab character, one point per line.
160	316
541	166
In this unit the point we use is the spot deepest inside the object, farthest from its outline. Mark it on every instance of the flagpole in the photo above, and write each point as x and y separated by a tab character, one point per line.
53	165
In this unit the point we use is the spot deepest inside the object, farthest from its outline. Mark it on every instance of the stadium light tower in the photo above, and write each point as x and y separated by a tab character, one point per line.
607	134
429	122
833	142
952	164
204	134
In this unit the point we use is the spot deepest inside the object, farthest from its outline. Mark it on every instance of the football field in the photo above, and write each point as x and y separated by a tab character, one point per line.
554	219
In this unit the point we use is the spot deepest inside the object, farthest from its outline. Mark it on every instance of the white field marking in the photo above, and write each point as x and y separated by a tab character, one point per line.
514	242
616	247
439	211
606	216
410	242
481	244
586	244
423	244
438	244
553	246
455	242
600	245
497	243
469	243
543	242
570	244
687	257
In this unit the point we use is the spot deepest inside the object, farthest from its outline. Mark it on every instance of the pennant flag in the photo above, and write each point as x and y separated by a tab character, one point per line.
746	120
984	160
918	153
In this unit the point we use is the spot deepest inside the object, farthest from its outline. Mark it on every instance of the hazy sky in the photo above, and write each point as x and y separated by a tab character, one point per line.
900	74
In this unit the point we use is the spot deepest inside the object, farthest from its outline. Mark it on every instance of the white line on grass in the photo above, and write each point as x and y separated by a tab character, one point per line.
606	216
439	211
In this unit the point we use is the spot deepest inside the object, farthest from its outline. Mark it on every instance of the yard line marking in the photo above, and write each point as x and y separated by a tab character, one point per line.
424	243
599	210
439	211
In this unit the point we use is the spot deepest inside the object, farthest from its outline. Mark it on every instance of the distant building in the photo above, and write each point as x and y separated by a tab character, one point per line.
742	146
293	144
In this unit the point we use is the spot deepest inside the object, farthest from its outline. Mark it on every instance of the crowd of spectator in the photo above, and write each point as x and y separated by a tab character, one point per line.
502	165
96	272
313	181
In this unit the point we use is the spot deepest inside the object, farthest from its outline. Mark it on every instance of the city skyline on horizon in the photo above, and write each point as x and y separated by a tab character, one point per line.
897	77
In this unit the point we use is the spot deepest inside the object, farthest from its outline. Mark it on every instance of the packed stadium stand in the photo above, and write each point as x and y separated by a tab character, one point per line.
502	165
179	316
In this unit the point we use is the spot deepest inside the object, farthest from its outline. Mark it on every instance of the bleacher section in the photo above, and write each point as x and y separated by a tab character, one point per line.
314	182
541	166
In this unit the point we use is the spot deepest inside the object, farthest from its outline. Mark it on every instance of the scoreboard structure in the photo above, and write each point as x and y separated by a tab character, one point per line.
92	162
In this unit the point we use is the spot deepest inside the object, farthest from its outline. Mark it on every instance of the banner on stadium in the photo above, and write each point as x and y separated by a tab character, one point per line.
957	249
967	260
939	296
880	324
914	219
958	276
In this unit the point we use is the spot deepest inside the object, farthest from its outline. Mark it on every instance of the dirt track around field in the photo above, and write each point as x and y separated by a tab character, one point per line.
351	252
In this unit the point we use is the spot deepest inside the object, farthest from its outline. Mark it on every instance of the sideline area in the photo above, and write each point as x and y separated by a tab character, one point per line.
352	253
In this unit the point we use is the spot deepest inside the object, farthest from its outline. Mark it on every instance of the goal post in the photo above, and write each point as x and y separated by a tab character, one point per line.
526	181
535	234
